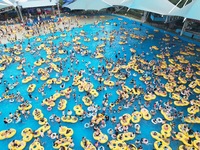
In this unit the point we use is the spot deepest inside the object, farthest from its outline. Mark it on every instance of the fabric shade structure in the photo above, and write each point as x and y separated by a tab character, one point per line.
162	7
88	5
67	2
194	12
29	3
119	2
4	5
37	3
189	11
7	2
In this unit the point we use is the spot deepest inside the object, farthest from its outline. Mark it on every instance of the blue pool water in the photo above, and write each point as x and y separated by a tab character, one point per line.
109	52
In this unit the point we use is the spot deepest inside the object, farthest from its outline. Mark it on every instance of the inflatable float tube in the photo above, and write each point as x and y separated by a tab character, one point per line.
11	100
86	125
9	120
17	144
114	136
110	131
101	148
53	135
36	146
137	126
89	115
159	120
154	121
92	125
10	87
103	126
18	120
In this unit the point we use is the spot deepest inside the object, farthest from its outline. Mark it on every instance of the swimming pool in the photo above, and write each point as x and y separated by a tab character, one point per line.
101	31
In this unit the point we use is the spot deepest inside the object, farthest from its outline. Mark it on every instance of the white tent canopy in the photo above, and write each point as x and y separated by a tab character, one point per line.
4	4
194	11
189	11
29	3
88	5
37	3
163	7
119	2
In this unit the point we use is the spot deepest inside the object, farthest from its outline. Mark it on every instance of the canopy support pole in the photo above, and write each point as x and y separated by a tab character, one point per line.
175	6
184	27
53	11
58	6
145	16
118	9
18	9
17	12
167	19
185	3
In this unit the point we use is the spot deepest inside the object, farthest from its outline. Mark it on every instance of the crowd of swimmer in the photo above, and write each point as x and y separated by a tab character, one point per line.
14	32
168	74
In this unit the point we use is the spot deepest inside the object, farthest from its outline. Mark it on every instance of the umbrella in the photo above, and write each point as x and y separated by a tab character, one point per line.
88	5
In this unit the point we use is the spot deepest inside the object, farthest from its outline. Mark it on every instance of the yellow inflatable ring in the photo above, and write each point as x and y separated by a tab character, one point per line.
63	130
86	144
37	113
99	55
27	79
109	83
63	142
162	147
69	119
6	134
87	101
62	104
25	107
125	119
31	88
36	146
136	117
17	145
149	97
125	136
27	134
109	66
145	114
